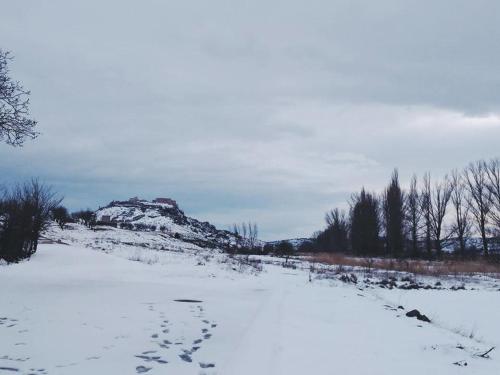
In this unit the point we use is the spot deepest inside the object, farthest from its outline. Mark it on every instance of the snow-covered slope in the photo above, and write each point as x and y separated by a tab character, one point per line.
166	218
110	239
74	310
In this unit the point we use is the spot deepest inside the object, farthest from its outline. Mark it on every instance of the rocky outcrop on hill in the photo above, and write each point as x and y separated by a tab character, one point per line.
163	215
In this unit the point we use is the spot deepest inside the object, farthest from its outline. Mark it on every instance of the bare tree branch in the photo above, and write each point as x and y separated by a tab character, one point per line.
15	123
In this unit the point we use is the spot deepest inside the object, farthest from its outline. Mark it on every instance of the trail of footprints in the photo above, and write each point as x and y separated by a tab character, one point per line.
19	365
10	364
167	342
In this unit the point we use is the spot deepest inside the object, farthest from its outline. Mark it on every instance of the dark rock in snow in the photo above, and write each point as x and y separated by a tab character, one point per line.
416	314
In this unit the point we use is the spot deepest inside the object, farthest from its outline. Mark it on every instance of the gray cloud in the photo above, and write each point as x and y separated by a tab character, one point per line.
251	111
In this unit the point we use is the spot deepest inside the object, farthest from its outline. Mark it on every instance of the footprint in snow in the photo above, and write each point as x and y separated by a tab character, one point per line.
142	369
185	357
206	365
12	369
155	358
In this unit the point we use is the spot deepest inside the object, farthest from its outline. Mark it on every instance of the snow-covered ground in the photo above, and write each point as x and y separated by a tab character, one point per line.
76	309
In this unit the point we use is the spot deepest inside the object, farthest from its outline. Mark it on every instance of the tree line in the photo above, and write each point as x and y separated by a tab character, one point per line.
460	212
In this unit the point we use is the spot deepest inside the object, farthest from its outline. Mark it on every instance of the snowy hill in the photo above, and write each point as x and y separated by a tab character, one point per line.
163	216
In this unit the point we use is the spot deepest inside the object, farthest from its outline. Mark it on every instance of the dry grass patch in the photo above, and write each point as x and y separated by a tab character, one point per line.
449	267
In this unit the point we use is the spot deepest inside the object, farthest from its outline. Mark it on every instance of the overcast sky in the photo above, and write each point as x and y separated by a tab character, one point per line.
269	111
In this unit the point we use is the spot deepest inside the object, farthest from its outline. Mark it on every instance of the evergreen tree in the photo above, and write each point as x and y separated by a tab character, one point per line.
365	224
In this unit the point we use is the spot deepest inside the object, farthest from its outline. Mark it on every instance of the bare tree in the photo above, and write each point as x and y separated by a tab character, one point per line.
15	124
393	209
61	216
440	196
86	217
493	185
255	234
426	203
252	235
479	197
336	235
42	200
247	234
413	214
244	231
24	215
462	223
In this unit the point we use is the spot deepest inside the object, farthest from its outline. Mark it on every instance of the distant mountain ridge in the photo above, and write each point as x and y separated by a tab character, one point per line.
163	215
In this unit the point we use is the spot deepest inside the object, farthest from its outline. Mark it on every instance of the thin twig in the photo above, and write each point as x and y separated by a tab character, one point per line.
485	354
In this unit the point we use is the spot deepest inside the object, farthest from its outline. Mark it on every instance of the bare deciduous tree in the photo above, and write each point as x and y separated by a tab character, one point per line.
247	233
244	231
336	235
479	197
493	185
393	209
413	214
87	217
252	234
462	224
426	212
24	215
440	196
61	216
42	200
15	123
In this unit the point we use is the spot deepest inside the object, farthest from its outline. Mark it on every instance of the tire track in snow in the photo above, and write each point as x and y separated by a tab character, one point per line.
258	350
